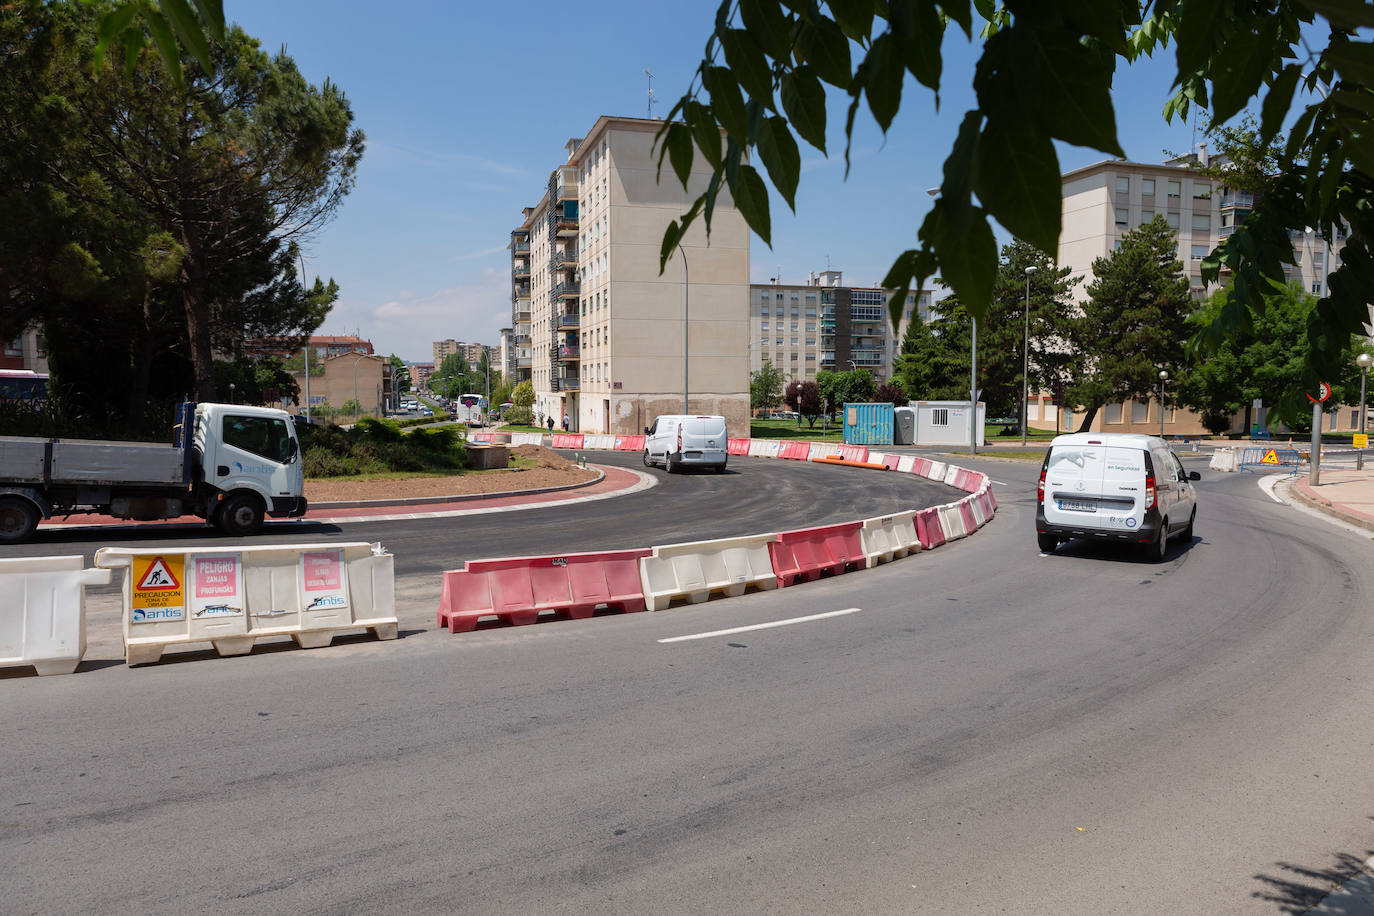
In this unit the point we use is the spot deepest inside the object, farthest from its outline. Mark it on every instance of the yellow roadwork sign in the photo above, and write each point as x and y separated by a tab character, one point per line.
1361	440
1270	458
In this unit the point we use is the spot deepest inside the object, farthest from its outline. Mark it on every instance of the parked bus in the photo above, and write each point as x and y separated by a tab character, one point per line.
23	385
471	409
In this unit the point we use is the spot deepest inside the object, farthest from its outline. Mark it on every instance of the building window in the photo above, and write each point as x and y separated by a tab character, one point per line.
1113	414
939	416
1123	185
1121	216
1140	412
1147	216
1147	187
1202	222
1202	191
1199	252
1317	287
1172	220
1175	189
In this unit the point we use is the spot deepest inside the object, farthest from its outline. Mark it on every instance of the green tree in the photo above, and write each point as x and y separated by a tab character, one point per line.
1135	321
890	392
838	388
453	376
933	364
1044	74
808	403
765	387
1267	358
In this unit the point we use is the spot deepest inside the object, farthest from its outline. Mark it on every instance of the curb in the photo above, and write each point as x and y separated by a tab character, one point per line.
444	500
1301	493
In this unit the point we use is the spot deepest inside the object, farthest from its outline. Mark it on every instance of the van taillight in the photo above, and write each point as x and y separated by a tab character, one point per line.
1149	491
1040	490
679	438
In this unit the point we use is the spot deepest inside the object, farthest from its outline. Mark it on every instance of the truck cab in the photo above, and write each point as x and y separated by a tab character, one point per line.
251	459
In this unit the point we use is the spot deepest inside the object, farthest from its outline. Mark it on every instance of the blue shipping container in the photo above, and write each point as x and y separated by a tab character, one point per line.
868	424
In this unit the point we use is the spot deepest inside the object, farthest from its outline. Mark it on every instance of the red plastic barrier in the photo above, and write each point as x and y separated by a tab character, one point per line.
806	553
737	446
928	529
854	453
989	504
796	451
992	497
921	466
516	589
567	440
966	512
890	461
481	437
629	443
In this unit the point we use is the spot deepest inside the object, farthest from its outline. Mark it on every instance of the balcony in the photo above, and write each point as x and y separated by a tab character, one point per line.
567	257
522	362
567	290
568	320
567	191
522	339
1238	199
565	228
520	271
522	316
567	351
566	383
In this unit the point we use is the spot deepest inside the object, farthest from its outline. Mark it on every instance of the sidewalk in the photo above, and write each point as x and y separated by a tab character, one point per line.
1346	494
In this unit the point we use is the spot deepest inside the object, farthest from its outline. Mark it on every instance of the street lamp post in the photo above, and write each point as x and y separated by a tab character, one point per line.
1363	361
307	345
973	393
1163	377
686	326
1025	361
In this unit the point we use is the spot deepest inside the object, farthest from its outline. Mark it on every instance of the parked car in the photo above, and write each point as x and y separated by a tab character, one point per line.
1114	486
678	441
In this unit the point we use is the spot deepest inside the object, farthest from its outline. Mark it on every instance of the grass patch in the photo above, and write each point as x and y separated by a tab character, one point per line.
518	428
788	429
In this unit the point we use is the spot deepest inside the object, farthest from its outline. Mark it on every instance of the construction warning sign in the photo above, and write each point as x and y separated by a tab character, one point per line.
1361	440
158	593
1270	457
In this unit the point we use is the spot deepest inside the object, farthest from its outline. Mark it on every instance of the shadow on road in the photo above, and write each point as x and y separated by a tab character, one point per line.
1298	888
1093	549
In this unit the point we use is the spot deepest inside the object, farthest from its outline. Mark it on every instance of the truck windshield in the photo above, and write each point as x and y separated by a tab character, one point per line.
264	436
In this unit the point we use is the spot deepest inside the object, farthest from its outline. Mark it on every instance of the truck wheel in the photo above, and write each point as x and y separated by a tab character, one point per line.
240	515
18	519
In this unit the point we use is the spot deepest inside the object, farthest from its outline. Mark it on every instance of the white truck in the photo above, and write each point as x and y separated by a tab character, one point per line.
229	464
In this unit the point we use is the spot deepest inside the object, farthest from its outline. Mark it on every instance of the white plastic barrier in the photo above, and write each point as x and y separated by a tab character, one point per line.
599	443
232	597
937	471
526	438
952	522
952	475
888	537
763	448
695	570
1223	459
906	463
979	515
823	450
877	458
43	612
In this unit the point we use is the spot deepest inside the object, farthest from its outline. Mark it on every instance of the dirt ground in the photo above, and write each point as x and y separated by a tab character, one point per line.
552	470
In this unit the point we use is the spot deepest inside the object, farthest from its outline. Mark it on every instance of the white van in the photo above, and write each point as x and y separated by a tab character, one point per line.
677	441
1114	486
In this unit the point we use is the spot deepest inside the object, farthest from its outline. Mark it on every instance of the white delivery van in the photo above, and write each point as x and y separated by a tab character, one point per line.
677	441
1114	486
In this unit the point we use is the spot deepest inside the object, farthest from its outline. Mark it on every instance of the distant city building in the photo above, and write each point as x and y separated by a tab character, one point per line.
471	352
27	351
597	329
823	324
321	347
420	373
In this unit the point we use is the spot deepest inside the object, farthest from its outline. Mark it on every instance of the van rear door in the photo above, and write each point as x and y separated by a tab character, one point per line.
1073	484
1122	505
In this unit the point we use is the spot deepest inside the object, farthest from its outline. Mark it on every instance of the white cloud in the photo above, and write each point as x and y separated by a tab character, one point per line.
409	324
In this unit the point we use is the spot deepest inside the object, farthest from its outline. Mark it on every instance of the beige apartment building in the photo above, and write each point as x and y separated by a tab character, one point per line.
823	324
598	331
471	352
1104	201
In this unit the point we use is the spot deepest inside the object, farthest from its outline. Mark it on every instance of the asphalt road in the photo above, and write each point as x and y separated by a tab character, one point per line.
992	730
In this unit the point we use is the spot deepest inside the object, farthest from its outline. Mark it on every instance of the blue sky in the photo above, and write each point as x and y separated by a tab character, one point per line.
467	106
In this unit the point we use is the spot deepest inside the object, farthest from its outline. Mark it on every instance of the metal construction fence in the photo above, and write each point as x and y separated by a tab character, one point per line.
1270	459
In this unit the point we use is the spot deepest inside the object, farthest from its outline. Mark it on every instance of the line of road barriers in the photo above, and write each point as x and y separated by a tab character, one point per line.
231	598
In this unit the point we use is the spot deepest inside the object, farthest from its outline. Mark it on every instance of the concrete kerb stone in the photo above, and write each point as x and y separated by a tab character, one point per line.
467	497
1303	493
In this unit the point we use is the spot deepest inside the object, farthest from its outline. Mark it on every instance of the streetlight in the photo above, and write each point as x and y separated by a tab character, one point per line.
1163	377
1025	361
686	328
1363	361
307	344
231	393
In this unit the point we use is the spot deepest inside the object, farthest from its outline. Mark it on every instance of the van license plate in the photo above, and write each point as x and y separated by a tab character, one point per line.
1073	505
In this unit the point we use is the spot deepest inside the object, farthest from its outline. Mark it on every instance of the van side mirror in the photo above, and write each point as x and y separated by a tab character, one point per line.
646	431
1194	475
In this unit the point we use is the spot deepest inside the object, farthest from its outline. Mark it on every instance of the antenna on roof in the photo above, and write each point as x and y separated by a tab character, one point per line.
651	92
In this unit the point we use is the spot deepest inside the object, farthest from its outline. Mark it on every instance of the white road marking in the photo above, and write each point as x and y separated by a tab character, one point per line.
998	482
762	626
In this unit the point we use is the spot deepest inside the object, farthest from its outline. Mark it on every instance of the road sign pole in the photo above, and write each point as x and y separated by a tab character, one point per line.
1314	476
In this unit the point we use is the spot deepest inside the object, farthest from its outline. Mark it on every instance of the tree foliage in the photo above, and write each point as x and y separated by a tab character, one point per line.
1045	74
151	226
837	388
765	387
890	392
1135	321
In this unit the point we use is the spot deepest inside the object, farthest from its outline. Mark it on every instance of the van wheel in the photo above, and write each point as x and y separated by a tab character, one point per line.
1047	542
669	464
18	519
1161	544
240	515
647	462
1188	532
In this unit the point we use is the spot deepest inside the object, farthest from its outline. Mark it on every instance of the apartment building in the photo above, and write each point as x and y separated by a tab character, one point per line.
471	352
598	331
823	324
1104	201
27	351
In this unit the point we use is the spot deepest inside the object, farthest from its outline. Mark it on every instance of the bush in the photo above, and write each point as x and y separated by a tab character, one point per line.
378	446
520	416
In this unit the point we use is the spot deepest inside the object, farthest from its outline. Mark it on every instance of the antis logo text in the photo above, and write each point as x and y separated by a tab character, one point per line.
148	615
325	601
